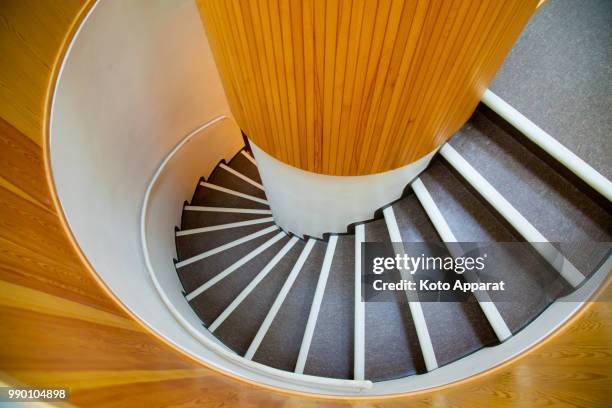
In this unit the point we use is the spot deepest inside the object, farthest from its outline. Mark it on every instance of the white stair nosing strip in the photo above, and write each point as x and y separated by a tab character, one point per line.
248	156
226	209
224	226
316	305
416	310
233	192
549	144
513	216
249	288
433	212
418	318
280	298
496	321
241	176
226	246
359	349
227	271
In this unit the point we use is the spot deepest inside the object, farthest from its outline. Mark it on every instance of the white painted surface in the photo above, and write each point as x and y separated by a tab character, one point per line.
307	203
489	309
513	216
137	77
359	349
416	310
316	305
549	144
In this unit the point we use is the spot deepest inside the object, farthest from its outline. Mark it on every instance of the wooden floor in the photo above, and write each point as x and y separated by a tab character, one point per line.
58	327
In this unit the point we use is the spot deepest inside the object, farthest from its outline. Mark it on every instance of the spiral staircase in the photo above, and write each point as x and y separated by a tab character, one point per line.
100	294
294	304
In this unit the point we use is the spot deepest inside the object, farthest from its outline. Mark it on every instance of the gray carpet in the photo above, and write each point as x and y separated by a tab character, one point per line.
559	74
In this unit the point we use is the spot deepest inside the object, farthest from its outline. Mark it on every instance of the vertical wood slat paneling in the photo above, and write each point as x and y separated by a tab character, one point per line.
354	87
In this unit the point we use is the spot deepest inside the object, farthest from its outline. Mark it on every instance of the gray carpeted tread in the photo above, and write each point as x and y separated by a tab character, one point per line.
210	304
244	166
331	350
239	329
471	220
195	274
391	344
198	219
281	344
558	209
195	244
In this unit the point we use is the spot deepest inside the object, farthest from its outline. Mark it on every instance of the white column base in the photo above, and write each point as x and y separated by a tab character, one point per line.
307	203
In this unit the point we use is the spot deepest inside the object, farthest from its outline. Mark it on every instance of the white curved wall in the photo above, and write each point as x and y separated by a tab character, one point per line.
307	203
137	79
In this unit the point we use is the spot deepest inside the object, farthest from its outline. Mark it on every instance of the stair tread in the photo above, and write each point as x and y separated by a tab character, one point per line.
199	219
208	197
192	245
224	178
391	344
455	328
194	275
239	329
550	202
331	350
472	220
281	344
210	304
244	166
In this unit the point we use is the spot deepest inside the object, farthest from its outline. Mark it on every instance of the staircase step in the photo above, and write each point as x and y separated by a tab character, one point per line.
391	344
281	344
198	219
465	328
194	275
210	304
239	329
472	220
223	177
211	197
556	207
253	283
221	227
192	245
331	348
242	164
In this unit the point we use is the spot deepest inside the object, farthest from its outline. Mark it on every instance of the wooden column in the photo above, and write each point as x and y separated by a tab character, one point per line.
354	87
